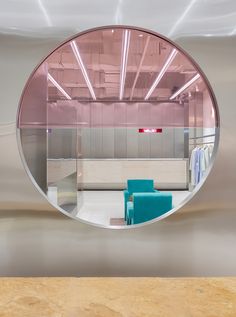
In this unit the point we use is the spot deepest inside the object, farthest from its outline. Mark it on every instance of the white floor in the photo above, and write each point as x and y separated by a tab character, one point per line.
100	206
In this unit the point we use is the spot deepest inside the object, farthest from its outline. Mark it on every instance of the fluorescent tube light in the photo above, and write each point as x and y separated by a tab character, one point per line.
162	72
55	83
124	60
139	67
185	86
82	67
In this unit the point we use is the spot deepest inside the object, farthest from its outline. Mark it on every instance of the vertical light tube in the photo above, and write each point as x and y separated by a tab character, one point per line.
161	73
185	86
55	83
139	67
82	67
124	60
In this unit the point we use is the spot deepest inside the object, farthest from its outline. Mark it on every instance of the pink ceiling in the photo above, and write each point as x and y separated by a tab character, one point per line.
101	54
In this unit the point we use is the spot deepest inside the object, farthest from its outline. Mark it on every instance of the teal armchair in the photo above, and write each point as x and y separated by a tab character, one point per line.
137	186
147	206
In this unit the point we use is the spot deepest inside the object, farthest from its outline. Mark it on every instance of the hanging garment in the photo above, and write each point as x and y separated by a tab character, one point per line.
194	166
207	155
199	161
210	148
202	164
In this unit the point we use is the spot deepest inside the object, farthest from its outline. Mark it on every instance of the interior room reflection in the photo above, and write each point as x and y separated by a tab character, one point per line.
118	127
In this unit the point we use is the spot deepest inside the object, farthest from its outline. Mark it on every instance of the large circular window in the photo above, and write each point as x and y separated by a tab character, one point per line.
117	127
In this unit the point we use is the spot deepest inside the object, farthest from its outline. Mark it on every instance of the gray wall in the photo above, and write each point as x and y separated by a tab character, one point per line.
116	143
34	141
34	146
128	143
62	143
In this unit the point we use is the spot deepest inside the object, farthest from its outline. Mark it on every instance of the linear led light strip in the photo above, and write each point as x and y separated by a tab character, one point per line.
82	67
55	83
185	86
162	72
124	60
139	67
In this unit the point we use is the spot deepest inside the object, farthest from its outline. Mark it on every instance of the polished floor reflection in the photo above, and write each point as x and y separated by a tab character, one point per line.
103	207
106	207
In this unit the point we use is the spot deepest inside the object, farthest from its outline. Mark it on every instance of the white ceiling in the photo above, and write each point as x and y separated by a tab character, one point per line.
43	18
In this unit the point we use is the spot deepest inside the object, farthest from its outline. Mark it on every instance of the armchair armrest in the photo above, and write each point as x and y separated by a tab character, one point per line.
126	199
130	213
126	192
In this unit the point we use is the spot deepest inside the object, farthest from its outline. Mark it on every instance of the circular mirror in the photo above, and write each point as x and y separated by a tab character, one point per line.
117	127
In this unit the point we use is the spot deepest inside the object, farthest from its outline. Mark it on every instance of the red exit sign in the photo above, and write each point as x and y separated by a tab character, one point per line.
148	130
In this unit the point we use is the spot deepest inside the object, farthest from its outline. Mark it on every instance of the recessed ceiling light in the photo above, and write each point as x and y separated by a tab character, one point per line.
140	35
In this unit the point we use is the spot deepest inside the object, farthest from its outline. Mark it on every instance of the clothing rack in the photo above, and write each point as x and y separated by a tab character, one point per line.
202	137
201	143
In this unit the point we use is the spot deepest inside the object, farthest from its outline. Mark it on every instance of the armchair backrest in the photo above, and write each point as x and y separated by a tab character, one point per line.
148	206
140	185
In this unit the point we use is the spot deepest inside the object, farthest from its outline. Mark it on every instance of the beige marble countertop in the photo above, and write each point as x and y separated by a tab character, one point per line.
118	297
